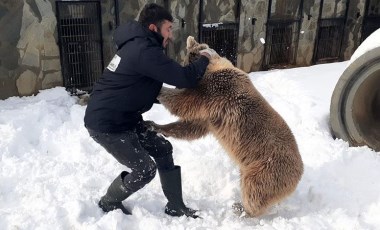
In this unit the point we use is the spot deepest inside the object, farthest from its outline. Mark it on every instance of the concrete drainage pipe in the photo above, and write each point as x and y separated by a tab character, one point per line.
355	103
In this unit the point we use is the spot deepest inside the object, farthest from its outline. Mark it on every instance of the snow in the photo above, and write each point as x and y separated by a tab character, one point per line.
371	42
52	173
210	25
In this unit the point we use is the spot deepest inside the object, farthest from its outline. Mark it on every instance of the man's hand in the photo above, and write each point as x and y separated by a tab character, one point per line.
209	53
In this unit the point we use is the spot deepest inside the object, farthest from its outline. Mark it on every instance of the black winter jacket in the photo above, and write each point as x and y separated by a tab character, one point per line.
131	82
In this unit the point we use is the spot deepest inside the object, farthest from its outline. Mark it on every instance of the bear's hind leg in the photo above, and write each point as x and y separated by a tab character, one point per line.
252	202
257	193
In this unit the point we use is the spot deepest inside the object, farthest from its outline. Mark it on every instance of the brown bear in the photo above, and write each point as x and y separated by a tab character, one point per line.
226	104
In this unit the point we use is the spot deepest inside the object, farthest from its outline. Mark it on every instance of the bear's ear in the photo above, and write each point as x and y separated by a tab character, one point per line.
190	42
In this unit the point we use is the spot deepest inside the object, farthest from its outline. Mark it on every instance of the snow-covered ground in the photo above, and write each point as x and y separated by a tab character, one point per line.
52	173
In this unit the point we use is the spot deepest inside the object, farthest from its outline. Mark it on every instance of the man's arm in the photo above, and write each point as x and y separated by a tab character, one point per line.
155	64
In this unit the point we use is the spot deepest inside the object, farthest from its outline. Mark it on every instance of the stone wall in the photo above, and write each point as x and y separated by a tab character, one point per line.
219	11
253	16
30	55
186	20
185	14
10	22
308	32
128	10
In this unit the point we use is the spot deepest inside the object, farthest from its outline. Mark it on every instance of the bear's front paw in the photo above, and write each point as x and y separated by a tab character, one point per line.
165	91
238	209
165	94
150	125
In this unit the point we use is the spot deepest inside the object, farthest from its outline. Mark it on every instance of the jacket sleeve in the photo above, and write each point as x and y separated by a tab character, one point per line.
155	64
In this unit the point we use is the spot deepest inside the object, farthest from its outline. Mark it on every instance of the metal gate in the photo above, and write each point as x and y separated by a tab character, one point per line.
330	33
223	38
282	33
371	21
80	43
329	39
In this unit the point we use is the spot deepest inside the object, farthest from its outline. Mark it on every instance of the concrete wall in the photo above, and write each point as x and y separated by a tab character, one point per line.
108	26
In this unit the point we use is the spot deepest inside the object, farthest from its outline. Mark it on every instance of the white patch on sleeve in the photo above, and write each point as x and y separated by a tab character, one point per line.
114	63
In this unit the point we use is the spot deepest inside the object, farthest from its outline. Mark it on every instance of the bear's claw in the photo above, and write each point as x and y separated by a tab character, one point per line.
238	209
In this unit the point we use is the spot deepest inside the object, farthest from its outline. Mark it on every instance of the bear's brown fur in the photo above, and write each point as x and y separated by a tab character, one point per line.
227	105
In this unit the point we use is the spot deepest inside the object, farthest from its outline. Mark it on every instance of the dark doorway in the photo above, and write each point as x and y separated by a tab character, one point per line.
331	24
80	43
282	33
371	21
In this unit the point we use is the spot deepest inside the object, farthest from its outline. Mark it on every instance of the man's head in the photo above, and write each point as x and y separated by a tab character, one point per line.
157	19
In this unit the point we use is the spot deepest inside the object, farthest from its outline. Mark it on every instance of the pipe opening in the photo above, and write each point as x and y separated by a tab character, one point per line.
366	110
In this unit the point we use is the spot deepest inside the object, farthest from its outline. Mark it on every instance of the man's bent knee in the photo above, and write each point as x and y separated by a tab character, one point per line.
141	176
162	149
150	171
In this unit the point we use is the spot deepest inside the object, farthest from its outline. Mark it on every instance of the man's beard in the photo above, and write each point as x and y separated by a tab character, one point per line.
166	41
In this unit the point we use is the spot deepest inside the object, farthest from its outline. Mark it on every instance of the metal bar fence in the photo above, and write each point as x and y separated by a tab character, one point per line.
281	43
282	33
370	24
223	38
330	34
371	21
80	41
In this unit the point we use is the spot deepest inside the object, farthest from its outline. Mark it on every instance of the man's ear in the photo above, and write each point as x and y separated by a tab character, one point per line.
190	42
153	27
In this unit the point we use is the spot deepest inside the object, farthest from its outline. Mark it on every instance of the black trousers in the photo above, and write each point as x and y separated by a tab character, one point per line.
135	149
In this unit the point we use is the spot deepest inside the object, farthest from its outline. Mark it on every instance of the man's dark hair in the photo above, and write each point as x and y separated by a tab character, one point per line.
154	14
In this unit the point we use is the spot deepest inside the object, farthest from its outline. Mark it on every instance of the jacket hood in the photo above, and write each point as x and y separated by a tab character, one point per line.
132	30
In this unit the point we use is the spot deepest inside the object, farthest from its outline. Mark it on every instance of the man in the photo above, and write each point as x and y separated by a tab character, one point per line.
129	87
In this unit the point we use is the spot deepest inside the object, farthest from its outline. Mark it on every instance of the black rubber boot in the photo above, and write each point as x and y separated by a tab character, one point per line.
116	193
172	187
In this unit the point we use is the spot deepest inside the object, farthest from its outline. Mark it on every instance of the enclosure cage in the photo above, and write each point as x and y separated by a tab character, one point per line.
80	43
329	39
282	33
222	37
371	21
330	30
281	43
